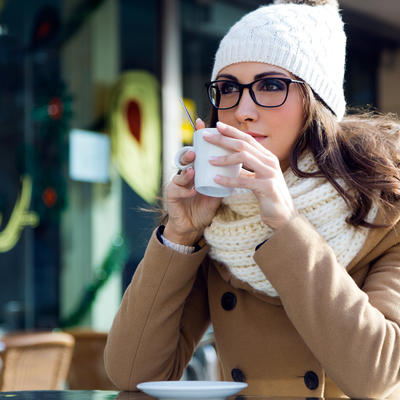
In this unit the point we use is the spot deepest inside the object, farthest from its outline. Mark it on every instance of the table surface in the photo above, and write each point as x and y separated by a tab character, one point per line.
67	395
111	395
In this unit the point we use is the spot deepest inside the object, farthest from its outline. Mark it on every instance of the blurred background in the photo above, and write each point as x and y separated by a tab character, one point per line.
90	120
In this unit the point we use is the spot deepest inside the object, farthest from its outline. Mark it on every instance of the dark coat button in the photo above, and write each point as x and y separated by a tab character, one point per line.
228	301
238	375
311	380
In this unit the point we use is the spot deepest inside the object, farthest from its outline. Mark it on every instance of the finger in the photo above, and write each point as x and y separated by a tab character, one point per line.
182	185
200	124
227	142
245	173
185	178
259	162
180	192
231	182
230	131
187	157
234	139
243	181
242	143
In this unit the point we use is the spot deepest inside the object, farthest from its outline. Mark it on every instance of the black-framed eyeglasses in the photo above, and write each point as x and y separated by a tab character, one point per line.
265	92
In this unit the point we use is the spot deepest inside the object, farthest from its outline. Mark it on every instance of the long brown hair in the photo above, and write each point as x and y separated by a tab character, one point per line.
359	156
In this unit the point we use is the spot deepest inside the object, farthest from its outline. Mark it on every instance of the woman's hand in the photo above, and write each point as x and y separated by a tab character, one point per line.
266	180
189	212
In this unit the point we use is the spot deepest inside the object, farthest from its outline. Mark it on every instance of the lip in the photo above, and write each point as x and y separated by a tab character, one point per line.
256	136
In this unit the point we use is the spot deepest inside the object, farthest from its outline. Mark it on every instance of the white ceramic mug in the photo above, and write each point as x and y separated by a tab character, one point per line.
204	171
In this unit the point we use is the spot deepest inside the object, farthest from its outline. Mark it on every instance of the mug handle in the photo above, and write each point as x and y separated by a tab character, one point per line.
178	156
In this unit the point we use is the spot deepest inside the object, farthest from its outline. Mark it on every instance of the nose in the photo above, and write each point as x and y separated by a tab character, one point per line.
246	110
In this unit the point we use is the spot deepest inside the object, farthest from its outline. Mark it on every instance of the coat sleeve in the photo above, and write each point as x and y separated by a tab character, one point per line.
162	317
353	332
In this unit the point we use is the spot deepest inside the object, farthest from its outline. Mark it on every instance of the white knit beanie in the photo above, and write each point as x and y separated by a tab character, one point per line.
305	37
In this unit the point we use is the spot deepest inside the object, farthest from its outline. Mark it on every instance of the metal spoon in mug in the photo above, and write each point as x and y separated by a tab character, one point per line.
187	114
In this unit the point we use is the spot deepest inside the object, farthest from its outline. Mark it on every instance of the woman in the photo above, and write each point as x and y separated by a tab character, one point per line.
299	269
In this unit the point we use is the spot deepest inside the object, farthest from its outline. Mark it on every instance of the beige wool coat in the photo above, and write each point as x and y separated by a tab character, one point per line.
331	332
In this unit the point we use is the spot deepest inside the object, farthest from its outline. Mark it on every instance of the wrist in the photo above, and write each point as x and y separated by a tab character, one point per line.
186	239
278	224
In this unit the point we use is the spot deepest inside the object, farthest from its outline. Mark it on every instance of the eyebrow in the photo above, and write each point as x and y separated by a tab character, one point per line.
258	76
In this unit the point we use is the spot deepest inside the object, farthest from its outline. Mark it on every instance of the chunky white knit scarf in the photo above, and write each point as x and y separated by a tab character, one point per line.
237	228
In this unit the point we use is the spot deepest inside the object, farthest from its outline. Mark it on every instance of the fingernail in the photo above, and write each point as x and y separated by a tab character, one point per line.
213	158
221	125
198	120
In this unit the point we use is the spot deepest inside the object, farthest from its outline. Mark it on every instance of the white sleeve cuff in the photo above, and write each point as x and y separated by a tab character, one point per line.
178	247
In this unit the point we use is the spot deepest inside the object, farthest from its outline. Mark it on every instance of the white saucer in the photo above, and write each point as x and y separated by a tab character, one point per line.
191	389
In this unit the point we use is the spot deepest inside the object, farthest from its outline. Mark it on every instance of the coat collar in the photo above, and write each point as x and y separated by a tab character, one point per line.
387	236
377	241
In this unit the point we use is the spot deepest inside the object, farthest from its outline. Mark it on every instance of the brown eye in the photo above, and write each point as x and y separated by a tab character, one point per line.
227	87
271	85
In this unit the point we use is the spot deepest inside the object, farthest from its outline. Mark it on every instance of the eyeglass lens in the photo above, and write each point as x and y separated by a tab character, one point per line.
268	92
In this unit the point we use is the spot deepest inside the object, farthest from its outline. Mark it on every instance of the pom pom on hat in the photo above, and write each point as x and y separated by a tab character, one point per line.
305	37
309	2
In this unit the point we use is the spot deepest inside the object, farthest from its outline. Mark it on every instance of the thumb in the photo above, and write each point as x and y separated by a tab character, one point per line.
200	124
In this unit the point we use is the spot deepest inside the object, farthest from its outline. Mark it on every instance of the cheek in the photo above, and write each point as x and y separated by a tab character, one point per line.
293	115
285	124
287	120
226	117
296	110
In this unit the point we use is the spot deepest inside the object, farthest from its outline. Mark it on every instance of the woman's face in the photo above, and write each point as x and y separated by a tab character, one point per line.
275	128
